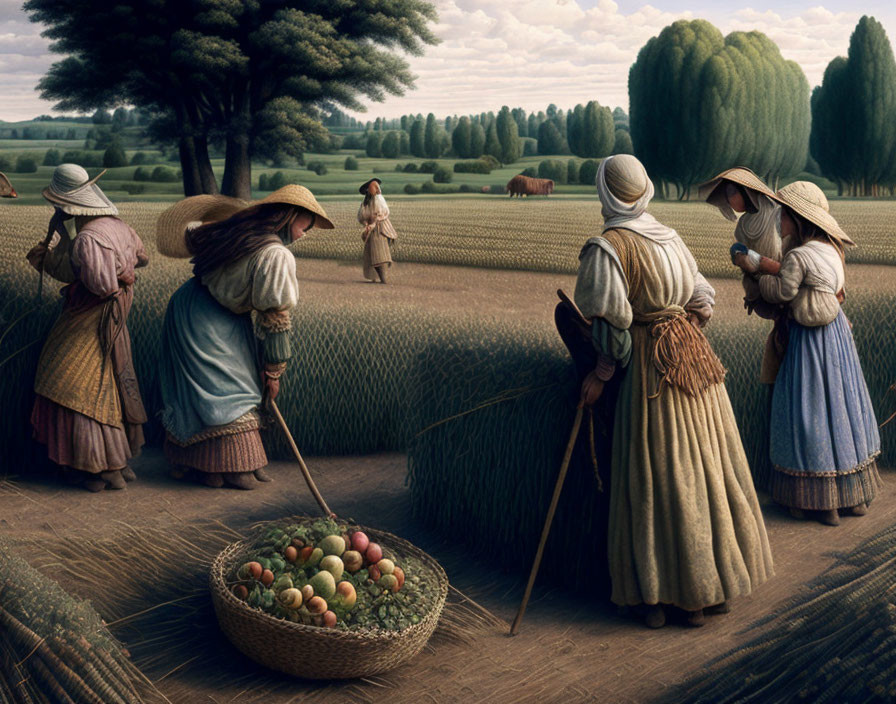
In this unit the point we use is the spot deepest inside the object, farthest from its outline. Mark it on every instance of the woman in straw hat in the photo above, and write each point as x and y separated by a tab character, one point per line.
824	437
685	528
88	410
214	369
741	196
378	232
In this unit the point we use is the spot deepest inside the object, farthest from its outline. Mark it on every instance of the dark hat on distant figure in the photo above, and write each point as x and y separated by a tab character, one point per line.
363	189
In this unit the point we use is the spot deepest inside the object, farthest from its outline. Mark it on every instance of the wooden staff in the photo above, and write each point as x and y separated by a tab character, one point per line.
292	443
558	487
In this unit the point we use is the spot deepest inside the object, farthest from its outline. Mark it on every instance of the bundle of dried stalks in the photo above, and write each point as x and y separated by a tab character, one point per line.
151	586
55	648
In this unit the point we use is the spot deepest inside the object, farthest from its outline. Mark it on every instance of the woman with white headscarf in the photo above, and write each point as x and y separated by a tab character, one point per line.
685	525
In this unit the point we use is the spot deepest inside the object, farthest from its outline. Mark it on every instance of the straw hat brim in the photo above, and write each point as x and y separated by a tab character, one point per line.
813	213
301	197
364	186
740	175
173	223
86	199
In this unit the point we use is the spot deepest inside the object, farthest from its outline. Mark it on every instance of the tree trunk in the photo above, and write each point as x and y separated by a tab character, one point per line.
206	174
189	166
237	180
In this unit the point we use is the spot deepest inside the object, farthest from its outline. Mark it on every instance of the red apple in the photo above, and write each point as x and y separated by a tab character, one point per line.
373	554
360	541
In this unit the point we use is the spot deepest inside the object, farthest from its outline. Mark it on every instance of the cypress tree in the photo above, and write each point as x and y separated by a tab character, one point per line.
418	146
549	139
461	138
477	141
508	136
492	143
432	145
391	145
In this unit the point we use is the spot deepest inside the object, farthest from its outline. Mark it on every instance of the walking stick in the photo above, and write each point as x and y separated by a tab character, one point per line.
558	487
292	443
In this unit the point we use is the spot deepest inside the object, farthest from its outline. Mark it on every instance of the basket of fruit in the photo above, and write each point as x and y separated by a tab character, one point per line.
323	599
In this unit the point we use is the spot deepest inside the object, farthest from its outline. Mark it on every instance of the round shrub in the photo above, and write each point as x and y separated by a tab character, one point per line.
530	171
139	158
553	169
26	165
164	174
399	167
351	164
442	175
263	182
475	166
114	156
411	189
428	187
588	172
410	168
466	188
428	167
572	171
52	157
141	173
491	161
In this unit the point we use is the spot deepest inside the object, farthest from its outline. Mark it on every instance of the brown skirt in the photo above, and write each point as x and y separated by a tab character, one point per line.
238	452
824	493
76	441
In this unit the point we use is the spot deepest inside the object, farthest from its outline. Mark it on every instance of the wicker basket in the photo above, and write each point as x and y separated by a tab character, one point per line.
320	653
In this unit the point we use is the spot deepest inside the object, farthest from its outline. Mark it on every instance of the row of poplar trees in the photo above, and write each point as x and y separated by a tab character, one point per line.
701	102
854	115
589	131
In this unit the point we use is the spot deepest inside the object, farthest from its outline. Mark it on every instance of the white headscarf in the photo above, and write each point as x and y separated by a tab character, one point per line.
630	216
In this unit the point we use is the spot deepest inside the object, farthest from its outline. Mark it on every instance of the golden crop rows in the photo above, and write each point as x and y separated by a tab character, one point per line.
531	235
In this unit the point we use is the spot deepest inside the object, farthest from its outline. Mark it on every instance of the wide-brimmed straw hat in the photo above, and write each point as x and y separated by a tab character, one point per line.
202	210
364	186
808	201
189	213
741	175
300	196
74	192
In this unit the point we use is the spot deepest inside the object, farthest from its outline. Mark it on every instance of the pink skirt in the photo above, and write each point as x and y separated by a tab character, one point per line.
239	452
76	441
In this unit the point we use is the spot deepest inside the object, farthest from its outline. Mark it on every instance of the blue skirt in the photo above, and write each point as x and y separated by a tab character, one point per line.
209	369
824	437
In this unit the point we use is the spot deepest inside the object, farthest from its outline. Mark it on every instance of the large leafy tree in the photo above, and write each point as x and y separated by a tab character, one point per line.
854	114
701	102
213	68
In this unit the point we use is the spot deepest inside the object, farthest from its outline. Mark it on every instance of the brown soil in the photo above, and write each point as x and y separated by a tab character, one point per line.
526	295
571	647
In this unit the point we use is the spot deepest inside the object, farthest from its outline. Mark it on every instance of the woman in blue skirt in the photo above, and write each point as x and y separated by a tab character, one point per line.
824	437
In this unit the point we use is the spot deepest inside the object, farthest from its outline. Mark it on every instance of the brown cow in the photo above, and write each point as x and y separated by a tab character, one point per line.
523	186
6	189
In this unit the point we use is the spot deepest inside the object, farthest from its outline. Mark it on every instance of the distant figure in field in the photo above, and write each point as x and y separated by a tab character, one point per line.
522	186
88	410
378	233
6	189
824	437
217	364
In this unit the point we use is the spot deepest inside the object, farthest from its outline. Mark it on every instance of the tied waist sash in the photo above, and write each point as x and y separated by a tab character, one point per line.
681	354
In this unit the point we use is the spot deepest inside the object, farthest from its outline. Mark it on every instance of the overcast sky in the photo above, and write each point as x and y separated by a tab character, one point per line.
523	53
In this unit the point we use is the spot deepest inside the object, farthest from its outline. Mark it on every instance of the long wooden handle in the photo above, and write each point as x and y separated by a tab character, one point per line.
558	487
292	443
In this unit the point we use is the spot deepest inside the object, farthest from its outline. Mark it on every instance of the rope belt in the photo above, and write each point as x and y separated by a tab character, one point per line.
681	353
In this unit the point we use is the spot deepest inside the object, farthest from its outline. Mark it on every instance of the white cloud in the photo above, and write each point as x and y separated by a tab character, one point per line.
525	53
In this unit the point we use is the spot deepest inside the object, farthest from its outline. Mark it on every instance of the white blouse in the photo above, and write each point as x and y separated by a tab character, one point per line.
811	276
262	281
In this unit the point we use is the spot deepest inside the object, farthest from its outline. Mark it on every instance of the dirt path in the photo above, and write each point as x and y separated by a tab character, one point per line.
571	648
522	294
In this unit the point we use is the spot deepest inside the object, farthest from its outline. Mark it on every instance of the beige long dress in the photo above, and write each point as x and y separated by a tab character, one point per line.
685	524
377	251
